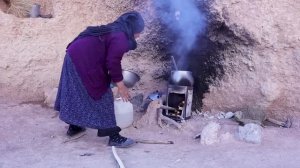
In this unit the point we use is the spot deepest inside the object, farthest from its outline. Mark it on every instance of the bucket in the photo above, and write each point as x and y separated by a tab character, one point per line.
123	113
35	11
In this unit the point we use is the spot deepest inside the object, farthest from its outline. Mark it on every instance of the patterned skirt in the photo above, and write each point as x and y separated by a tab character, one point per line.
76	107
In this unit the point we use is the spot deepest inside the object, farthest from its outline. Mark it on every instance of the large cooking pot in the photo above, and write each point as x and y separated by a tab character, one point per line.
130	78
181	78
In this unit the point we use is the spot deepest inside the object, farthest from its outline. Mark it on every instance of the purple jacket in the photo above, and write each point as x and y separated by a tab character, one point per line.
98	61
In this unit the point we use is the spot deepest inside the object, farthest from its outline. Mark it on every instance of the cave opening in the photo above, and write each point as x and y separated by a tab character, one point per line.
204	59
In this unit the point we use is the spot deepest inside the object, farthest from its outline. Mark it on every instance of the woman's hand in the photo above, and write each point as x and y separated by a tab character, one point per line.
123	91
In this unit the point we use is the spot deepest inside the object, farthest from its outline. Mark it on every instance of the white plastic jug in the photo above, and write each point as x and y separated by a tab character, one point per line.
123	113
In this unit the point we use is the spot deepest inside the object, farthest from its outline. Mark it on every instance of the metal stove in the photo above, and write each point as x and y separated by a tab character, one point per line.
180	95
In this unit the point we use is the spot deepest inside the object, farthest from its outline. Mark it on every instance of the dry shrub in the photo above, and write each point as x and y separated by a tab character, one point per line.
19	8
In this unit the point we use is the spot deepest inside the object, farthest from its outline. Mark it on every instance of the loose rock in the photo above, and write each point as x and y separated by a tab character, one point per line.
251	133
210	133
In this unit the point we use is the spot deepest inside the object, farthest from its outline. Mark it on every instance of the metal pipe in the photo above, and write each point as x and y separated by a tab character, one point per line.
174	62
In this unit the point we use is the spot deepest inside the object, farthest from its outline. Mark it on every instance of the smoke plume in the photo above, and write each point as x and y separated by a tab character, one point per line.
186	22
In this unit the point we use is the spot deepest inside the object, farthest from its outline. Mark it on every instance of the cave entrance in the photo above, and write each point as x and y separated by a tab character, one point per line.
187	28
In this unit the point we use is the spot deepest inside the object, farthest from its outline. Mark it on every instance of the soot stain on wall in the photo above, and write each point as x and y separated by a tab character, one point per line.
204	60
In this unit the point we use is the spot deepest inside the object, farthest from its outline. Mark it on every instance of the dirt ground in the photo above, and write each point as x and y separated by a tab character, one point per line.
32	136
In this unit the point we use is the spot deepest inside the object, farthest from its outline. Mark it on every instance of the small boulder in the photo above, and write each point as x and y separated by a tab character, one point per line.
229	115
251	133
210	133
50	97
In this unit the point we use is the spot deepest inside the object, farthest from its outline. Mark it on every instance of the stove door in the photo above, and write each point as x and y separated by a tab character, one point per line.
189	100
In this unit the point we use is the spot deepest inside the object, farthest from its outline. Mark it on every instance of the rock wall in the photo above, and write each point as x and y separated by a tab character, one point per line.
263	61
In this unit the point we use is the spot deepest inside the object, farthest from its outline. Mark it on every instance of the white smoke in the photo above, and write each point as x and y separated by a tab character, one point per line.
185	20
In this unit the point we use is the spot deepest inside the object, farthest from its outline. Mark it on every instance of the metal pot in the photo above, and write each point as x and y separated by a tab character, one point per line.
181	78
130	78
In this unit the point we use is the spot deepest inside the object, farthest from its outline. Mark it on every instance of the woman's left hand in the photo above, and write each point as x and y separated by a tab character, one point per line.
123	91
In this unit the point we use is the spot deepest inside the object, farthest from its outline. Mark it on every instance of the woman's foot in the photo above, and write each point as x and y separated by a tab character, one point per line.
120	142
74	130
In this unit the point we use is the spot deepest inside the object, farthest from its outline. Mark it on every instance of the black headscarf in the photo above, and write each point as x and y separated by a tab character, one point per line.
130	23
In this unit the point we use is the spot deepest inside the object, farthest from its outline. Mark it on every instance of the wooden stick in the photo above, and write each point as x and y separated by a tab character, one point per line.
167	108
153	141
69	140
275	122
168	120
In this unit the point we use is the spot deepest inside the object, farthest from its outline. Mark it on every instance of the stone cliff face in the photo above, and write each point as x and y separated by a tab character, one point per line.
263	61
257	41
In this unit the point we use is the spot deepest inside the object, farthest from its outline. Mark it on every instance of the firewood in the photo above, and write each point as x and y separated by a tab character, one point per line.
167	120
